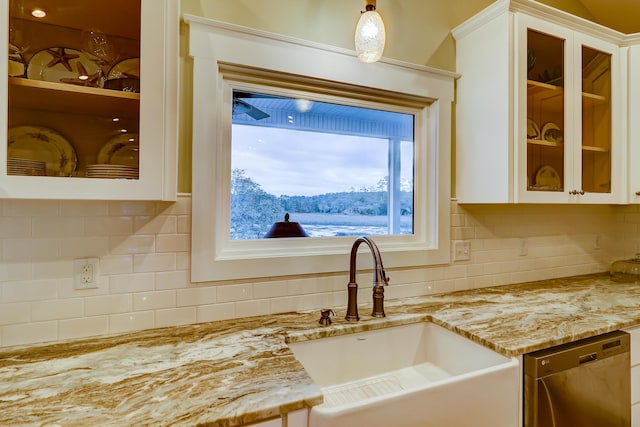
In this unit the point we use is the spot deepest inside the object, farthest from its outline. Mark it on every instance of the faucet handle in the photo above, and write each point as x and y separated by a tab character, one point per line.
325	319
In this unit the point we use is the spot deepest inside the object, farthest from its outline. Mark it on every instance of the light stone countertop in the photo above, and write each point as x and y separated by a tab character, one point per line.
239	371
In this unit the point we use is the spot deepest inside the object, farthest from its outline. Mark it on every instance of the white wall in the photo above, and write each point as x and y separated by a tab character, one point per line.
144	247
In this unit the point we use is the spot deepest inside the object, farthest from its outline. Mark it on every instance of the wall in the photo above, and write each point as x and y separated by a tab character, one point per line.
144	260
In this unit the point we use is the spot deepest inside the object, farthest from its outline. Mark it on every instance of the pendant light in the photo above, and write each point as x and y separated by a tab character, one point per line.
370	35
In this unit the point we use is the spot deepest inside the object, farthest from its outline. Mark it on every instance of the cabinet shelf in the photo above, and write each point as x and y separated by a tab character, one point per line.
544	142
593	97
536	86
52	96
594	149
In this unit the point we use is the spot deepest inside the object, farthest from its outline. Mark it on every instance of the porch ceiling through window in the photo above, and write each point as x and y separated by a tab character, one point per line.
314	116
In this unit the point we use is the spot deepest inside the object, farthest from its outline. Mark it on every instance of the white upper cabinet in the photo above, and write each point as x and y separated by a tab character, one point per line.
540	108
90	100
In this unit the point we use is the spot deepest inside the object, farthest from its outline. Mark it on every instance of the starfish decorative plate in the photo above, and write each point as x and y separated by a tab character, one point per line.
64	65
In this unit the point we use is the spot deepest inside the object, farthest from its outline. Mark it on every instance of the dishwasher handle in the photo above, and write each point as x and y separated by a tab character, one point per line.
586	358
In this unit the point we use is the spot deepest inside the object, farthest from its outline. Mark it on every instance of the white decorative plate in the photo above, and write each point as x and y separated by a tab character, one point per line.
551	132
63	65
42	144
122	149
548	178
112	171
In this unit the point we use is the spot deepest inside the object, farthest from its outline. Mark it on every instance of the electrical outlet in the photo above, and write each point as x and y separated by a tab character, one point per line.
461	250
86	272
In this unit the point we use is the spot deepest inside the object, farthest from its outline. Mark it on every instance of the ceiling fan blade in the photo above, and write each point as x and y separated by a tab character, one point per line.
257	113
242	107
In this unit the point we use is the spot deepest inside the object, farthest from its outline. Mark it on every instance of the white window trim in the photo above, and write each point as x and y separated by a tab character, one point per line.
218	49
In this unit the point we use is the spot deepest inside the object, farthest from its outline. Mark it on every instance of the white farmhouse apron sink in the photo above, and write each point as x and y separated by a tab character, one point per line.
412	375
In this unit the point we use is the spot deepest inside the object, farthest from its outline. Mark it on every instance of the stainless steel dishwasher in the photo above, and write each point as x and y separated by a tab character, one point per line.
585	383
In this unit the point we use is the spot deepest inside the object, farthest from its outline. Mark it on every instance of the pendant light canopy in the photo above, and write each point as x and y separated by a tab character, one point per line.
370	35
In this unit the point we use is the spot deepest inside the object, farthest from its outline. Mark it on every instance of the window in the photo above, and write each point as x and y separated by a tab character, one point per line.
341	170
238	70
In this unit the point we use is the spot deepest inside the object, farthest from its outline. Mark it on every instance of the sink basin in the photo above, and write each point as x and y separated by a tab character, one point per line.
412	375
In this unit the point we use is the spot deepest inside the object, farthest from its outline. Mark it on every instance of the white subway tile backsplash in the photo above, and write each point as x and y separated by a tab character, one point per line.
87	208
154	300
15	313
108	304
31	208
173	243
154	262
184	224
144	252
129	322
14	271
148	224
117	208
52	269
176	316
122	245
183	261
109	226
129	283
197	296
57	226
29	290
82	247
270	289
177	279
256	307
57	309
29	333
83	327
29	249
235	292
15	227
116	264
211	313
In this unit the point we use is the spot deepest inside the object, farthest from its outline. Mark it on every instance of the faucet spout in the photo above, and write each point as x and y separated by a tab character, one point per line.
380	280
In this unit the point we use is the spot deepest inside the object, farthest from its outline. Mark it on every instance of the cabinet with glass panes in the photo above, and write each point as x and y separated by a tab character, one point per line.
91	100
559	125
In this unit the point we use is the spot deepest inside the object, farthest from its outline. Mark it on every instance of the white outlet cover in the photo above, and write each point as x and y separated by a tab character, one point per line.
86	273
461	250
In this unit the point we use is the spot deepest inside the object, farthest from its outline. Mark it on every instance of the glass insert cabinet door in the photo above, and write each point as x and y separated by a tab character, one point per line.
73	89
596	121
569	116
546	93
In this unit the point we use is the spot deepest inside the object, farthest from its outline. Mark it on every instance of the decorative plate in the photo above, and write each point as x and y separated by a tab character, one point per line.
551	132
548	178
42	144
533	131
127	68
122	149
64	65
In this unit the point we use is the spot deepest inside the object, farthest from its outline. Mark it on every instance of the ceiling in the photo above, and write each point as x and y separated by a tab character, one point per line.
621	15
